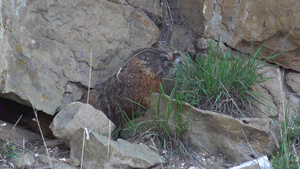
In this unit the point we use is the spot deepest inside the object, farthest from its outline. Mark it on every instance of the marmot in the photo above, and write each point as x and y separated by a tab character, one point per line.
142	74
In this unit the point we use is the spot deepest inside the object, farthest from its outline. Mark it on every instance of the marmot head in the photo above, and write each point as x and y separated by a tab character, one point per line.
158	63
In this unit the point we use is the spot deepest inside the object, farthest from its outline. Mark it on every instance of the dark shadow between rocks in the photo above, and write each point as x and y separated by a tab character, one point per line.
11	111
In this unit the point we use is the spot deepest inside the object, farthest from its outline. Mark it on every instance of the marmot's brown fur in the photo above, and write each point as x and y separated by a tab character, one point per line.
141	75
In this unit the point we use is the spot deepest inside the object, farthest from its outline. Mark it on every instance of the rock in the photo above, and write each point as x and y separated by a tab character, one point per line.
23	160
79	115
73	161
186	44
152	8
262	162
122	153
57	166
47	46
192	15
275	99
293	80
238	139
272	23
17	134
53	143
43	158
62	166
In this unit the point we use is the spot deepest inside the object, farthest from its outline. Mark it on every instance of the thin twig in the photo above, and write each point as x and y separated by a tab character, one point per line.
109	143
249	143
82	150
23	158
40	129
9	133
90	76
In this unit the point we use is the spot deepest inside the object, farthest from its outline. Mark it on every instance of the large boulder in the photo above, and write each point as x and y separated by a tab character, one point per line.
239	140
239	23
46	47
273	22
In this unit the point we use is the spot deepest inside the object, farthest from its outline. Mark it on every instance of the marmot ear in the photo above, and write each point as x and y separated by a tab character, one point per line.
144	56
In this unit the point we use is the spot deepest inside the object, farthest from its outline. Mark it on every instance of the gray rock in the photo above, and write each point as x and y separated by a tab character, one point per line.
293	80
185	44
150	6
46	46
17	134
192	15
63	166
79	115
57	166
24	160
53	143
43	158
122	153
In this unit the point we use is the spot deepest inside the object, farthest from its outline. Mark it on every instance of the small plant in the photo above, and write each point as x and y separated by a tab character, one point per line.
221	83
173	118
287	157
7	152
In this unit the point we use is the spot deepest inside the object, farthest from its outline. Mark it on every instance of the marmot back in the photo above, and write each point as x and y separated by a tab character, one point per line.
140	76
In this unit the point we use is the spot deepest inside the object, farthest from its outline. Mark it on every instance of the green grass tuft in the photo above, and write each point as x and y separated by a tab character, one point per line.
7	152
221	83
287	157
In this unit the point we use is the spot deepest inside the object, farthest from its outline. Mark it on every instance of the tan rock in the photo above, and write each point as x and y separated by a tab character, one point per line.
275	100
238	139
79	115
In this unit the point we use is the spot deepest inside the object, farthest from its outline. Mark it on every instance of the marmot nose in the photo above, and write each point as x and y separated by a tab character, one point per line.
160	72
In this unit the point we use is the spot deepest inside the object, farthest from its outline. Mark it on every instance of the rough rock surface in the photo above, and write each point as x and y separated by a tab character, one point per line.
192	15
293	80
238	139
275	97
239	23
186	44
17	134
152	8
122	153
46	47
24	160
79	115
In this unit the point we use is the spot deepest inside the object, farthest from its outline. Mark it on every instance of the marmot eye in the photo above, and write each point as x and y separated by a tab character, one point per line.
164	59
